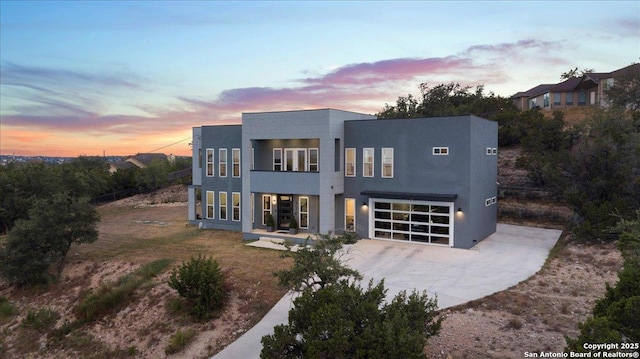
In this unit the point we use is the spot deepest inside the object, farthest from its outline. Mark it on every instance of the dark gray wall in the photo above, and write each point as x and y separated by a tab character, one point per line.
464	172
216	137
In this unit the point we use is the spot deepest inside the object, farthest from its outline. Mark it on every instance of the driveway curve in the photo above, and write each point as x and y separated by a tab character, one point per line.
456	276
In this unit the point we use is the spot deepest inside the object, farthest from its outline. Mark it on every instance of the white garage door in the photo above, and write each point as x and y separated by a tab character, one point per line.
414	221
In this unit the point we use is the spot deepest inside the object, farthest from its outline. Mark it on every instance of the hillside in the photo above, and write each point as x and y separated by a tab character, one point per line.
531	316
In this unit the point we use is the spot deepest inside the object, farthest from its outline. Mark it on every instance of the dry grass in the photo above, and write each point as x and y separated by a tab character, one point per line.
131	237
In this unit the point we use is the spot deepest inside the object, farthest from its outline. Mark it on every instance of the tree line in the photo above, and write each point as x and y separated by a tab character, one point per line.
45	208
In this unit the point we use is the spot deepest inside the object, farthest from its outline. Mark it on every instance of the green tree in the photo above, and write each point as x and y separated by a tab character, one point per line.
601	174
616	317
152	177
575	73
37	247
334	317
202	284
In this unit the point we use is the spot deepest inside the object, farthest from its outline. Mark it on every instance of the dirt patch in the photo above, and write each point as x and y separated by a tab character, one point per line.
534	315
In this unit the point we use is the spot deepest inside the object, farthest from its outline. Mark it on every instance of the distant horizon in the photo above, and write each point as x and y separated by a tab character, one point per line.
126	77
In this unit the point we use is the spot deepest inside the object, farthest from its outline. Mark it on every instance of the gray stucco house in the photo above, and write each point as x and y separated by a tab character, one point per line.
422	180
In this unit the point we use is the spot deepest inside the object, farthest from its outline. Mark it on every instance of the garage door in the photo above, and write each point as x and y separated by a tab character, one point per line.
414	221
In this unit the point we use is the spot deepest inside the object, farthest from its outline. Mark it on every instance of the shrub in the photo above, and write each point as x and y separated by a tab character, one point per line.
202	284
179	340
42	320
7	309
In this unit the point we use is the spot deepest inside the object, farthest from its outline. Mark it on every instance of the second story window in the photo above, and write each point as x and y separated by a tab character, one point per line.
350	162
367	162
441	151
222	162
209	162
387	163
277	159
235	154
313	160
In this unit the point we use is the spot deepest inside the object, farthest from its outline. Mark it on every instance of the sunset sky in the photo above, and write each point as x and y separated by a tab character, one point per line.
80	78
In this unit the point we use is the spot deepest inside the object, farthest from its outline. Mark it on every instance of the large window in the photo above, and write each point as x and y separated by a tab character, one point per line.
557	98
545	100
235	206
266	207
350	162
222	162
416	221
569	99
387	163
303	212
235	154
222	199
582	98
367	162
210	162
350	214
277	159
211	202
313	160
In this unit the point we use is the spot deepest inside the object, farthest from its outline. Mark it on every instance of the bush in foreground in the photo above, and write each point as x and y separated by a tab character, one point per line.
202	284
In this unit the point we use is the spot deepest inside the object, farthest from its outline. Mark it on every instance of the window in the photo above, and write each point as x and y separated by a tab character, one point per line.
350	162
277	159
235	206
533	103
222	162
303	211
387	163
569	100
441	151
556	98
266	207
313	160
210	204
199	157
367	162
350	214
209	162
488	151
582	98
253	159
295	159
235	158
545	100
494	151
222	199
253	208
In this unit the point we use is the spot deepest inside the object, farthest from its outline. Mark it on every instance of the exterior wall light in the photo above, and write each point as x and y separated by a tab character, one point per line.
274	199
364	204
459	210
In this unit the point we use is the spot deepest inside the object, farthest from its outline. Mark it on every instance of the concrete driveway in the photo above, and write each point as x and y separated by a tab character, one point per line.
456	276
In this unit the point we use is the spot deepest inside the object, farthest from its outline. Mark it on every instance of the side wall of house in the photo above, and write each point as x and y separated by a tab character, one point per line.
215	138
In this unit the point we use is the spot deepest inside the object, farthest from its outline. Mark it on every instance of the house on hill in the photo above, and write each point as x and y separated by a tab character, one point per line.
588	90
421	180
140	160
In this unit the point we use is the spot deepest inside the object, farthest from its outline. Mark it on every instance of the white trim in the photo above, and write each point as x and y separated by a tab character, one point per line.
233	163
222	160
440	151
264	209
365	162
382	162
210	204
212	162
354	214
346	162
221	206
300	212
233	206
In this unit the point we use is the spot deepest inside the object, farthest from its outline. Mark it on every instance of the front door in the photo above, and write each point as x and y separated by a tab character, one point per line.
285	211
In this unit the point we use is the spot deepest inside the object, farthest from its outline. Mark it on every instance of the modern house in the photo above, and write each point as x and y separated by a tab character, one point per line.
422	180
576	91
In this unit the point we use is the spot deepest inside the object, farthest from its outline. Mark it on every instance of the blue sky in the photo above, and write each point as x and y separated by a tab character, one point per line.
127	76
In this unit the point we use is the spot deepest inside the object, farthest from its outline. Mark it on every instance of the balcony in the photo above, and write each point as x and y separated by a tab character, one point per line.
285	182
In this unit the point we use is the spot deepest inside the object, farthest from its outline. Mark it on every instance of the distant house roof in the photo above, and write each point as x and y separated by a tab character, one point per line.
142	160
534	91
